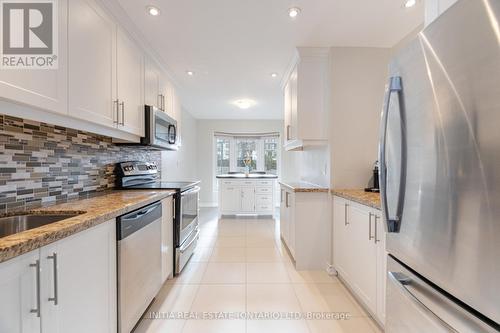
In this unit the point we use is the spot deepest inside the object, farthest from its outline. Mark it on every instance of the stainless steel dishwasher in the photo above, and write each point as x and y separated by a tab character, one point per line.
139	263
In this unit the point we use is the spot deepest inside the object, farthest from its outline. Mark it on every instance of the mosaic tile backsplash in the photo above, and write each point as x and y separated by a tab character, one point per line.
42	163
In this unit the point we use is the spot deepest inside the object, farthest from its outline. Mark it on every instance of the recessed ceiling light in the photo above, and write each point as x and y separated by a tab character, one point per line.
410	3
153	11
190	73
274	75
294	12
244	103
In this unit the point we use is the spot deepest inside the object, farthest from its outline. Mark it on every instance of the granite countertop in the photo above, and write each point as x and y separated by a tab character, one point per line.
304	187
360	196
95	210
250	176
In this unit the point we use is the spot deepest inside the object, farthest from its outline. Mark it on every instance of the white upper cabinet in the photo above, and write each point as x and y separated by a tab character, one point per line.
41	88
92	65
152	74
130	83
306	93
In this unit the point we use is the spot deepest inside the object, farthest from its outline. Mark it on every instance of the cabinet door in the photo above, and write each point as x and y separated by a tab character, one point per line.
92	69
165	89
46	89
381	265
283	215
167	240
80	272
230	199
341	246
151	84
294	125
19	292
363	270
177	107
287	95
291	223
248	199
130	75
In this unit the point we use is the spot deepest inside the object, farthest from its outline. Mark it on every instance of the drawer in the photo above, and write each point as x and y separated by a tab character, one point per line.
264	208
229	182
264	199
264	190
264	183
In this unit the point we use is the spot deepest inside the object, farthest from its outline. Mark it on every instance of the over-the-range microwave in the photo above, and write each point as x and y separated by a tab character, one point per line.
161	129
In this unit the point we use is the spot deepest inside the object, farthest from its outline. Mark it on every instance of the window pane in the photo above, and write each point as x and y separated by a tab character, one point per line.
222	148
246	154
271	155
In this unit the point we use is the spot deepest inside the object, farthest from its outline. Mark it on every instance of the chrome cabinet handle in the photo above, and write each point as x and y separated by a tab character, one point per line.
116	107
54	299
122	105
163	102
395	86
158	101
286	200
346	206
375	238
36	265
369	226
288	132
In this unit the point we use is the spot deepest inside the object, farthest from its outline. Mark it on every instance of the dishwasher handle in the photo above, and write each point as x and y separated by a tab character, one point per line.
129	223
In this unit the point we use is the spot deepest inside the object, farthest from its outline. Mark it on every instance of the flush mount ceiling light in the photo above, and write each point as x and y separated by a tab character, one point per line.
153	11
274	75
410	3
244	103
293	12
190	73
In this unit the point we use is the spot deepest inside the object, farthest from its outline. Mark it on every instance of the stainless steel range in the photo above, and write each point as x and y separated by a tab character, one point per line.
144	175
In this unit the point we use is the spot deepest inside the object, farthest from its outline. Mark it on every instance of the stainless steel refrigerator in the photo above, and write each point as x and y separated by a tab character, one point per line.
440	175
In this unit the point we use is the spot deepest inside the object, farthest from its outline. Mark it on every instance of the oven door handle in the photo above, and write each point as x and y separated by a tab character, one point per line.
195	189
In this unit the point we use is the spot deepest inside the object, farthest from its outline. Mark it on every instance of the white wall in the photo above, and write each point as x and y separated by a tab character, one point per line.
434	8
205	148
181	165
358	76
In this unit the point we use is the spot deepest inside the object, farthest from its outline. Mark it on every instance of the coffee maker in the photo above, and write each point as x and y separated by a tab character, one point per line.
376	187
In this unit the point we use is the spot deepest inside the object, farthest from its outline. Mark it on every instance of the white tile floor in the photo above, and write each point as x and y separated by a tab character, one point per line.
241	268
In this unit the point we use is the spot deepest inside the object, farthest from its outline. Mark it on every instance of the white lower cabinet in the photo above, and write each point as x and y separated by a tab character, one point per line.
305	226
359	253
243	196
18	290
67	286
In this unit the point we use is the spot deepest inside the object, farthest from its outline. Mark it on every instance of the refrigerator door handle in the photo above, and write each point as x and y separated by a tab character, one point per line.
393	224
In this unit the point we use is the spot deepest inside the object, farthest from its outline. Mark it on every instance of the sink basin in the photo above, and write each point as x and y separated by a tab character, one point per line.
11	225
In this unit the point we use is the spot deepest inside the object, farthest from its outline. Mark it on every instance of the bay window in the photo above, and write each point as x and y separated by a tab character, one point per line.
260	151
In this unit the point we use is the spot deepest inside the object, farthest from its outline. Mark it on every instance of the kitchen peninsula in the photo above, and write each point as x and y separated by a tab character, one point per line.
246	194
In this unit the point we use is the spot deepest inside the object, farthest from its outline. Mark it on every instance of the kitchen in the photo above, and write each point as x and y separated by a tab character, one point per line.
229	167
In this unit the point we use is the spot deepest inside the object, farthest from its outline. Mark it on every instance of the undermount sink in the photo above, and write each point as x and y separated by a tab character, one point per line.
11	225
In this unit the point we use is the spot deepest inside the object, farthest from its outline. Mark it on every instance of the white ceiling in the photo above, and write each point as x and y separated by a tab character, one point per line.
234	45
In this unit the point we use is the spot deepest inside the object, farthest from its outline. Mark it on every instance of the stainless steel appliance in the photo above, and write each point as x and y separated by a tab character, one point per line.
161	129
440	176
143	175
139	263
